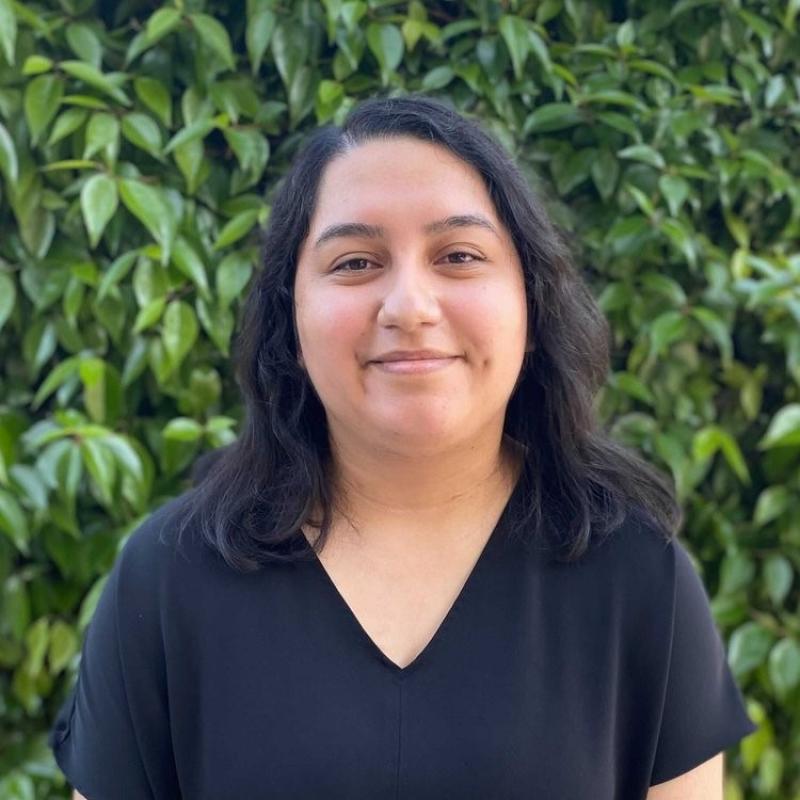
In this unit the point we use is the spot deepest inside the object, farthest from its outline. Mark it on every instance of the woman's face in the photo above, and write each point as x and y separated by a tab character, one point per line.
395	279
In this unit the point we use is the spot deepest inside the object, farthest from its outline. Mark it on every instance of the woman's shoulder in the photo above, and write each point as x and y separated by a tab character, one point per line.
636	541
160	542
631	565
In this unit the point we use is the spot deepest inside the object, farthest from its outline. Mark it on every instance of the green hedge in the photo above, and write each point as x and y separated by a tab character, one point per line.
138	147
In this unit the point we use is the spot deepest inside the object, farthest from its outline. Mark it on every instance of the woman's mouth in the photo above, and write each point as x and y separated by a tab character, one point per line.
414	366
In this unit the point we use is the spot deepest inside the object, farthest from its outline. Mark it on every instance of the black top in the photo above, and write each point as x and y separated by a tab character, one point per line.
546	680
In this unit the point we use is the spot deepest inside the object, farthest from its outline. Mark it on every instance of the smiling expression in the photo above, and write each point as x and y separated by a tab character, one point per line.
409	298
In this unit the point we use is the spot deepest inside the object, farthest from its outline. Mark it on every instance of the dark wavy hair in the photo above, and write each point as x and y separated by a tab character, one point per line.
251	497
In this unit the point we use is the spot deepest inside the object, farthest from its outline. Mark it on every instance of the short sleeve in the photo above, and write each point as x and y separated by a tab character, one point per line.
703	711
111	735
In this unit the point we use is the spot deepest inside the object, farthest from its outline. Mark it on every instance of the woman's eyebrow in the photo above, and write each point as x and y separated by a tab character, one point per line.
364	231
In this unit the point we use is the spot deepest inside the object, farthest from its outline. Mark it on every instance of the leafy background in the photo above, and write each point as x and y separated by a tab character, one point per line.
138	146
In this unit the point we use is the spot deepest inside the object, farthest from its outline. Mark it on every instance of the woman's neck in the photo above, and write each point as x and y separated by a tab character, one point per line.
391	497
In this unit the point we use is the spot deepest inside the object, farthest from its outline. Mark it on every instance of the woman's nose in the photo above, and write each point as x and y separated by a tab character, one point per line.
409	298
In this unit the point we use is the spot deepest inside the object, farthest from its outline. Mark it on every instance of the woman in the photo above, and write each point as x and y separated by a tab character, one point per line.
421	571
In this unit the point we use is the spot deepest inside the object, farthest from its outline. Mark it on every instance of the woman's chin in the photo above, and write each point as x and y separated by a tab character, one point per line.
420	433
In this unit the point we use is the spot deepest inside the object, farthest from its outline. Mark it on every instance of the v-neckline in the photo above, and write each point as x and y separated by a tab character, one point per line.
465	591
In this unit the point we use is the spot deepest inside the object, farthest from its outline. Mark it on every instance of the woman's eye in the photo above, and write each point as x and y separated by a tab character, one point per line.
462	253
345	266
354	264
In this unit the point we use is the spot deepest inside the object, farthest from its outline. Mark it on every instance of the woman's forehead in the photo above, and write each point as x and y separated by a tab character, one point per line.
370	189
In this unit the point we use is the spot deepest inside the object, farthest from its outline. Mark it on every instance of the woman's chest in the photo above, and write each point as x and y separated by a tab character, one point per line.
518	694
321	729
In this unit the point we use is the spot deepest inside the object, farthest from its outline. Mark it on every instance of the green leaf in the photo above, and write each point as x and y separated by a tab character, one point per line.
552	117
190	264
16	607
675	190
515	34
233	274
179	332
778	575
149	205
571	168
101	466
614	97
16	784
738	229
748	648
605	172
183	429
190	160
386	43
150	314
217	321
642	200
116	272
9	165
84	43
717	329
213	34
792	10
628	234
619	122
204	390
35	65
99	202
251	150
70	163
73	299
652	67
626	34
8	30
67	123
784	429
413	30
108	84
784	665
260	28
301	94
84	101
643	153
36	638
236	228
8	297
64	644
92	373
143	132
290	46
634	387
737	572
126	454
330	95
155	96
437	78
198	129
102	133
13	521
540	50
712	439
667	328
42	96
57	377
716	94
771	503
161	23
665	286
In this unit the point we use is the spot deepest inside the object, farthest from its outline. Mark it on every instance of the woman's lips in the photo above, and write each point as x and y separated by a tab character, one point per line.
414	366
